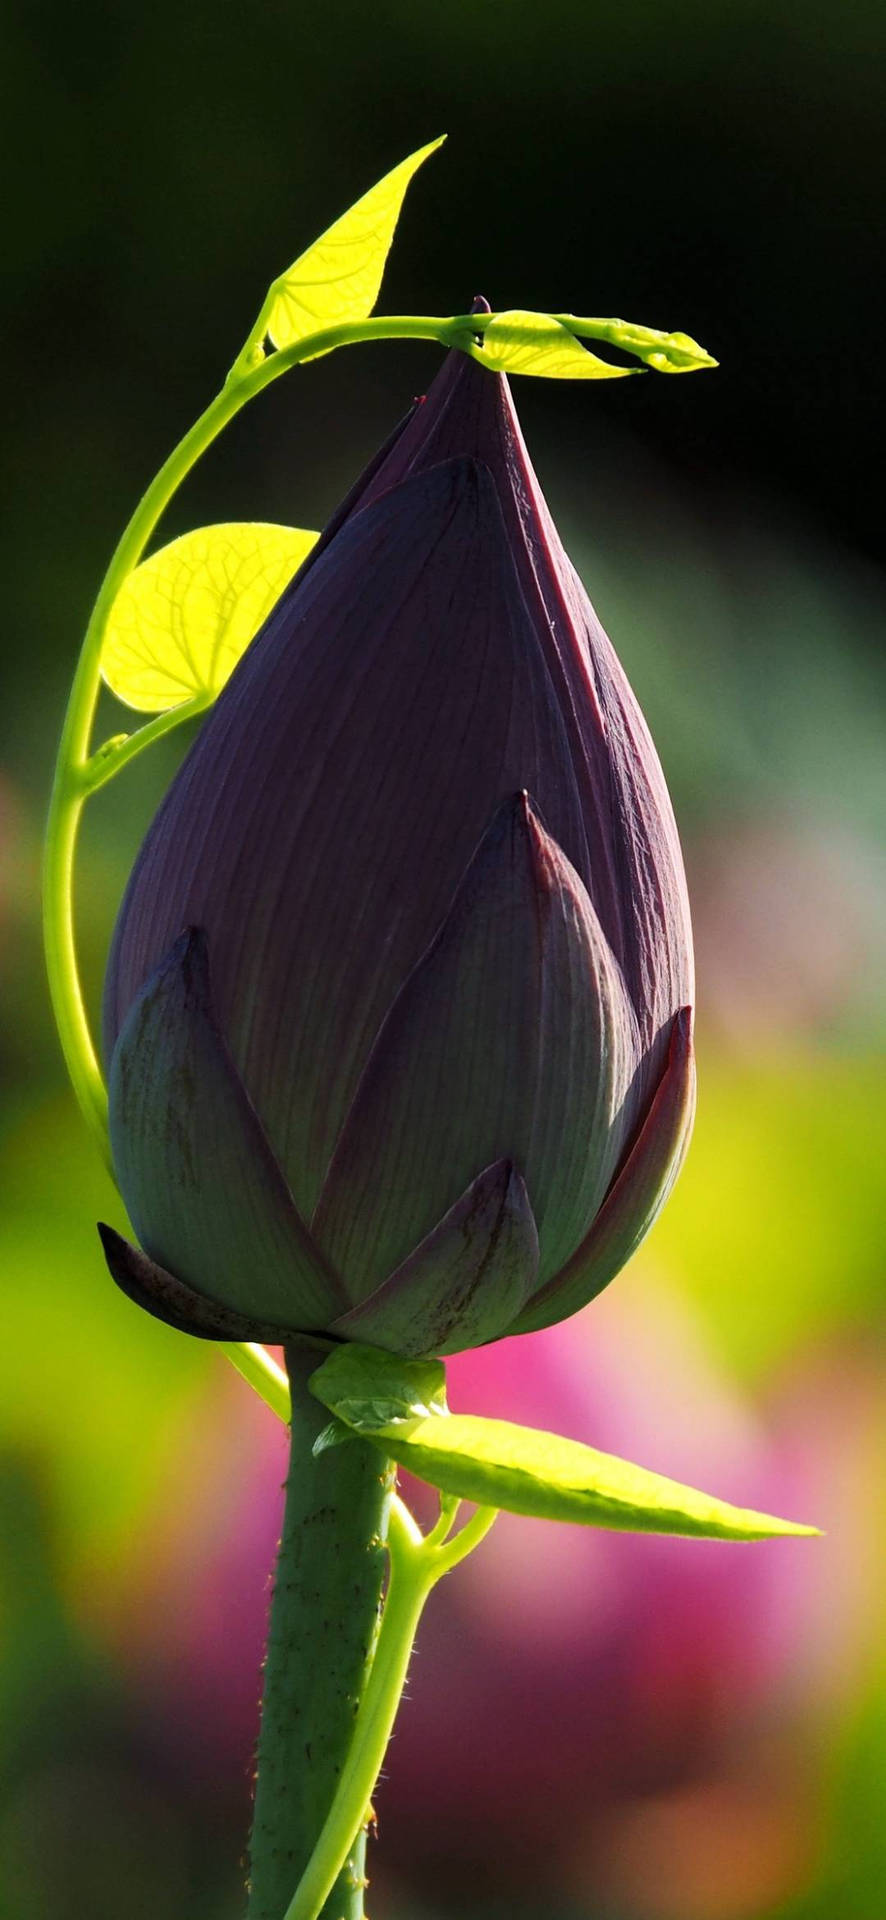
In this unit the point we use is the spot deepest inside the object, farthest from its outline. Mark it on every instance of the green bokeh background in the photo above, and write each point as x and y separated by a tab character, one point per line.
718	169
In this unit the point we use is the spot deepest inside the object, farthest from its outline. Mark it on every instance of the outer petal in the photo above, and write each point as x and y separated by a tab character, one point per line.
630	862
204	1192
512	1039
169	1300
467	1280
635	1198
324	817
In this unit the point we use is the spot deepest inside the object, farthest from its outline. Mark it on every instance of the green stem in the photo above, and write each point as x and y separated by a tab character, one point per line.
313	1574
263	1374
324	1623
415	1567
110	758
76	775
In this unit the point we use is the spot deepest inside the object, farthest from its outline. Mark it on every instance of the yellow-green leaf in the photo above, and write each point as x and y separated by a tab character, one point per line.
498	1464
665	352
339	277
183	618
520	342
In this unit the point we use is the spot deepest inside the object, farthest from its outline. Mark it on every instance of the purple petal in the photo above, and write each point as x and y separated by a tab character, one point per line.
512	1039
466	1281
201	1185
635	1198
631	862
169	1300
324	818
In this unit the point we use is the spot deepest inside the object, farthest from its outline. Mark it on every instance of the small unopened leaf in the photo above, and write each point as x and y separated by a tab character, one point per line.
665	352
371	1390
339	277
520	1469
518	342
183	618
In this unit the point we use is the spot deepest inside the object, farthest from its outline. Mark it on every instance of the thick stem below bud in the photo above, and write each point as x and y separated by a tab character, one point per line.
324	1620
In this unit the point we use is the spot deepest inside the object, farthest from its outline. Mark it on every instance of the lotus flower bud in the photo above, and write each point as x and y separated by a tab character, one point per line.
397	1011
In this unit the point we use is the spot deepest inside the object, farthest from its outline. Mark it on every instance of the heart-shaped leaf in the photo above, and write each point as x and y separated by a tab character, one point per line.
498	1464
338	278
183	618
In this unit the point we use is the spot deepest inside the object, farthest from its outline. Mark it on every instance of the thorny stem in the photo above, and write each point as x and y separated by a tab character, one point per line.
323	1633
272	1386
415	1566
334	1677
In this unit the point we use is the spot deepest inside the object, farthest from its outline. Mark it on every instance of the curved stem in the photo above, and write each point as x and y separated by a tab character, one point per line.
76	775
262	1373
464	1543
114	754
70	785
415	1568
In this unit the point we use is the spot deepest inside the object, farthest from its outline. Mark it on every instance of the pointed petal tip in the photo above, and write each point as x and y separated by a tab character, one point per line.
167	1298
465	1281
682	1034
480	304
637	1193
519	816
186	966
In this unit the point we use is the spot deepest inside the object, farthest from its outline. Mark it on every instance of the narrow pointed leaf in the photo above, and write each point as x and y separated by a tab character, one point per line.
339	277
521	342
524	1471
183	618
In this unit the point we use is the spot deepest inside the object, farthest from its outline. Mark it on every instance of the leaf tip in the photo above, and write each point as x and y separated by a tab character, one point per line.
421	154
768	1527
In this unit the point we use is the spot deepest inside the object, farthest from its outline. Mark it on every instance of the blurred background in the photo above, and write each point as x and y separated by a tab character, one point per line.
597	1728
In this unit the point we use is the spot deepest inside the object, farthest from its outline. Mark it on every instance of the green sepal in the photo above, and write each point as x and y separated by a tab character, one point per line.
336	1434
397	1404
374	1392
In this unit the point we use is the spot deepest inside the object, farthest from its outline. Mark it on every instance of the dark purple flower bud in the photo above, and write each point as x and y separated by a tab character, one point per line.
398	1005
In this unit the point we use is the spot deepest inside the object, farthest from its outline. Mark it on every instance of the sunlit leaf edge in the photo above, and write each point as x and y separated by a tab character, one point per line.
185	616
521	1469
338	277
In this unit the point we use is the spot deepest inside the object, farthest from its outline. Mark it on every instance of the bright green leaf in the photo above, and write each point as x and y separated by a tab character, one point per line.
371	1390
518	342
339	277
665	352
517	1468
183	618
